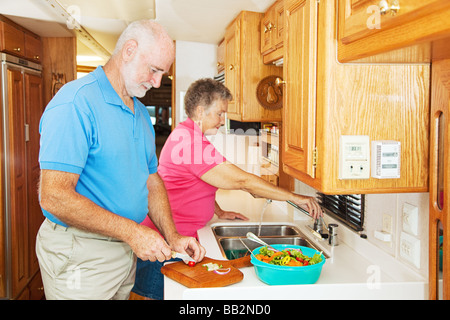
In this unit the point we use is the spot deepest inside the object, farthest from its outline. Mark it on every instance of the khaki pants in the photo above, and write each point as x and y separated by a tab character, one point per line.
84	266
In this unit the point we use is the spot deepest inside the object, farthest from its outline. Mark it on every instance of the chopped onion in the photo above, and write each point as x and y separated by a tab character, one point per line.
222	271
212	266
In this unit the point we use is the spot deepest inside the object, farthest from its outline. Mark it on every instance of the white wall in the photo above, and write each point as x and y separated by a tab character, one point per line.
193	61
391	204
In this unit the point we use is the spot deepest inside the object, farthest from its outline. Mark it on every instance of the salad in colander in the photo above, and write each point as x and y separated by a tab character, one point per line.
287	257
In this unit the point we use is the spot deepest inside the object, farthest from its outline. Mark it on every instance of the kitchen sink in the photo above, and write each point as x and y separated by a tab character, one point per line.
232	248
229	237
266	230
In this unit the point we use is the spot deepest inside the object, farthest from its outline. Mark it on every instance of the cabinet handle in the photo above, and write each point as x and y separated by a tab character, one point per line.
27	132
270	26
231	67
384	7
17	49
395	7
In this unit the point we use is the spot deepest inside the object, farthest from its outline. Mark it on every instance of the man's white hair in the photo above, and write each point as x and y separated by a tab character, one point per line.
143	32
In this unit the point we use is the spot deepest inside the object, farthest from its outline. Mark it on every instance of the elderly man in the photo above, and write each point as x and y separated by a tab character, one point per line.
99	175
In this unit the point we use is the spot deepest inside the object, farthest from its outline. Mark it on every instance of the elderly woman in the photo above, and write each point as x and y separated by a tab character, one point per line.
192	171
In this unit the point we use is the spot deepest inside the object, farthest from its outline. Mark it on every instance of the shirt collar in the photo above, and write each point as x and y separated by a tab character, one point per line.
109	94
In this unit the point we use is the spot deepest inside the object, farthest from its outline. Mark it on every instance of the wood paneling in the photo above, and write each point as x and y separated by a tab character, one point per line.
59	57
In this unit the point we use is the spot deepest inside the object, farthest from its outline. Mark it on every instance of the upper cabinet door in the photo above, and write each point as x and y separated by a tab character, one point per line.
370	27
232	64
300	67
364	17
12	39
267	27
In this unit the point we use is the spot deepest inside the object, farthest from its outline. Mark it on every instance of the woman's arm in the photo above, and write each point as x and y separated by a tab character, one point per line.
230	177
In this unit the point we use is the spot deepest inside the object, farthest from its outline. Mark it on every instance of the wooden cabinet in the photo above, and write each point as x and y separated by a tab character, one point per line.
365	30
439	224
18	41
272	32
244	68
324	100
34	289
24	107
18	190
33	48
300	67
221	57
34	107
13	39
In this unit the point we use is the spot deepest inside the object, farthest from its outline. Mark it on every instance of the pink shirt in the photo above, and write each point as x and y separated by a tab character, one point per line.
185	157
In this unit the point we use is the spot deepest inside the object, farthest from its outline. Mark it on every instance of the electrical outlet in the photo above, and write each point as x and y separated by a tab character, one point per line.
410	219
410	249
387	223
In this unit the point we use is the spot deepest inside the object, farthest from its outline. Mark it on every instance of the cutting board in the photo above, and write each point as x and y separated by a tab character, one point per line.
199	276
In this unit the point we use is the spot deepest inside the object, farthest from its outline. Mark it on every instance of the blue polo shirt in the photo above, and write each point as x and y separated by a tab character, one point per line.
87	129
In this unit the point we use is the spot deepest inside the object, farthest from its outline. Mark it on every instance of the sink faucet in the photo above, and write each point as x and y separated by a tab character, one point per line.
318	226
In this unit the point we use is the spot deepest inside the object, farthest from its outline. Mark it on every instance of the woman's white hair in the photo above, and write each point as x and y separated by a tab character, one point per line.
143	32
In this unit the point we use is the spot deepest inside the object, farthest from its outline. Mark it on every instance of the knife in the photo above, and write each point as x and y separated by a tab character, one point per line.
182	256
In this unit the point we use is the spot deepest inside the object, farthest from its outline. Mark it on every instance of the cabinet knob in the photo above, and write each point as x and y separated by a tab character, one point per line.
17	49
395	7
279	81
231	67
384	7
36	57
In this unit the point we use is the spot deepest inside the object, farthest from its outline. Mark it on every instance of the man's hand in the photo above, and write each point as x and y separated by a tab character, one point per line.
148	244
188	245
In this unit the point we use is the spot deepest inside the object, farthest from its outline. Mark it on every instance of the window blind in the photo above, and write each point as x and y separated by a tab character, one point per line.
346	208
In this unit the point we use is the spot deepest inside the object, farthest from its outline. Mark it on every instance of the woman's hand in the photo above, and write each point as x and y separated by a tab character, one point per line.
310	204
229	215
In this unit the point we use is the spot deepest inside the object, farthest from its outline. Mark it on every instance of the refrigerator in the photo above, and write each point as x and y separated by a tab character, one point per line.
22	105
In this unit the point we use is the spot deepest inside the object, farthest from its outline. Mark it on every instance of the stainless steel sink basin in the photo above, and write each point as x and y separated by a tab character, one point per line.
228	237
266	230
232	248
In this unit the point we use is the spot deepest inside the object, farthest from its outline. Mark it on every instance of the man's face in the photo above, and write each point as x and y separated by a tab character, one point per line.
145	69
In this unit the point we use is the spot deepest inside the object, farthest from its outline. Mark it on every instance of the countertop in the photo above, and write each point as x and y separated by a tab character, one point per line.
355	269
